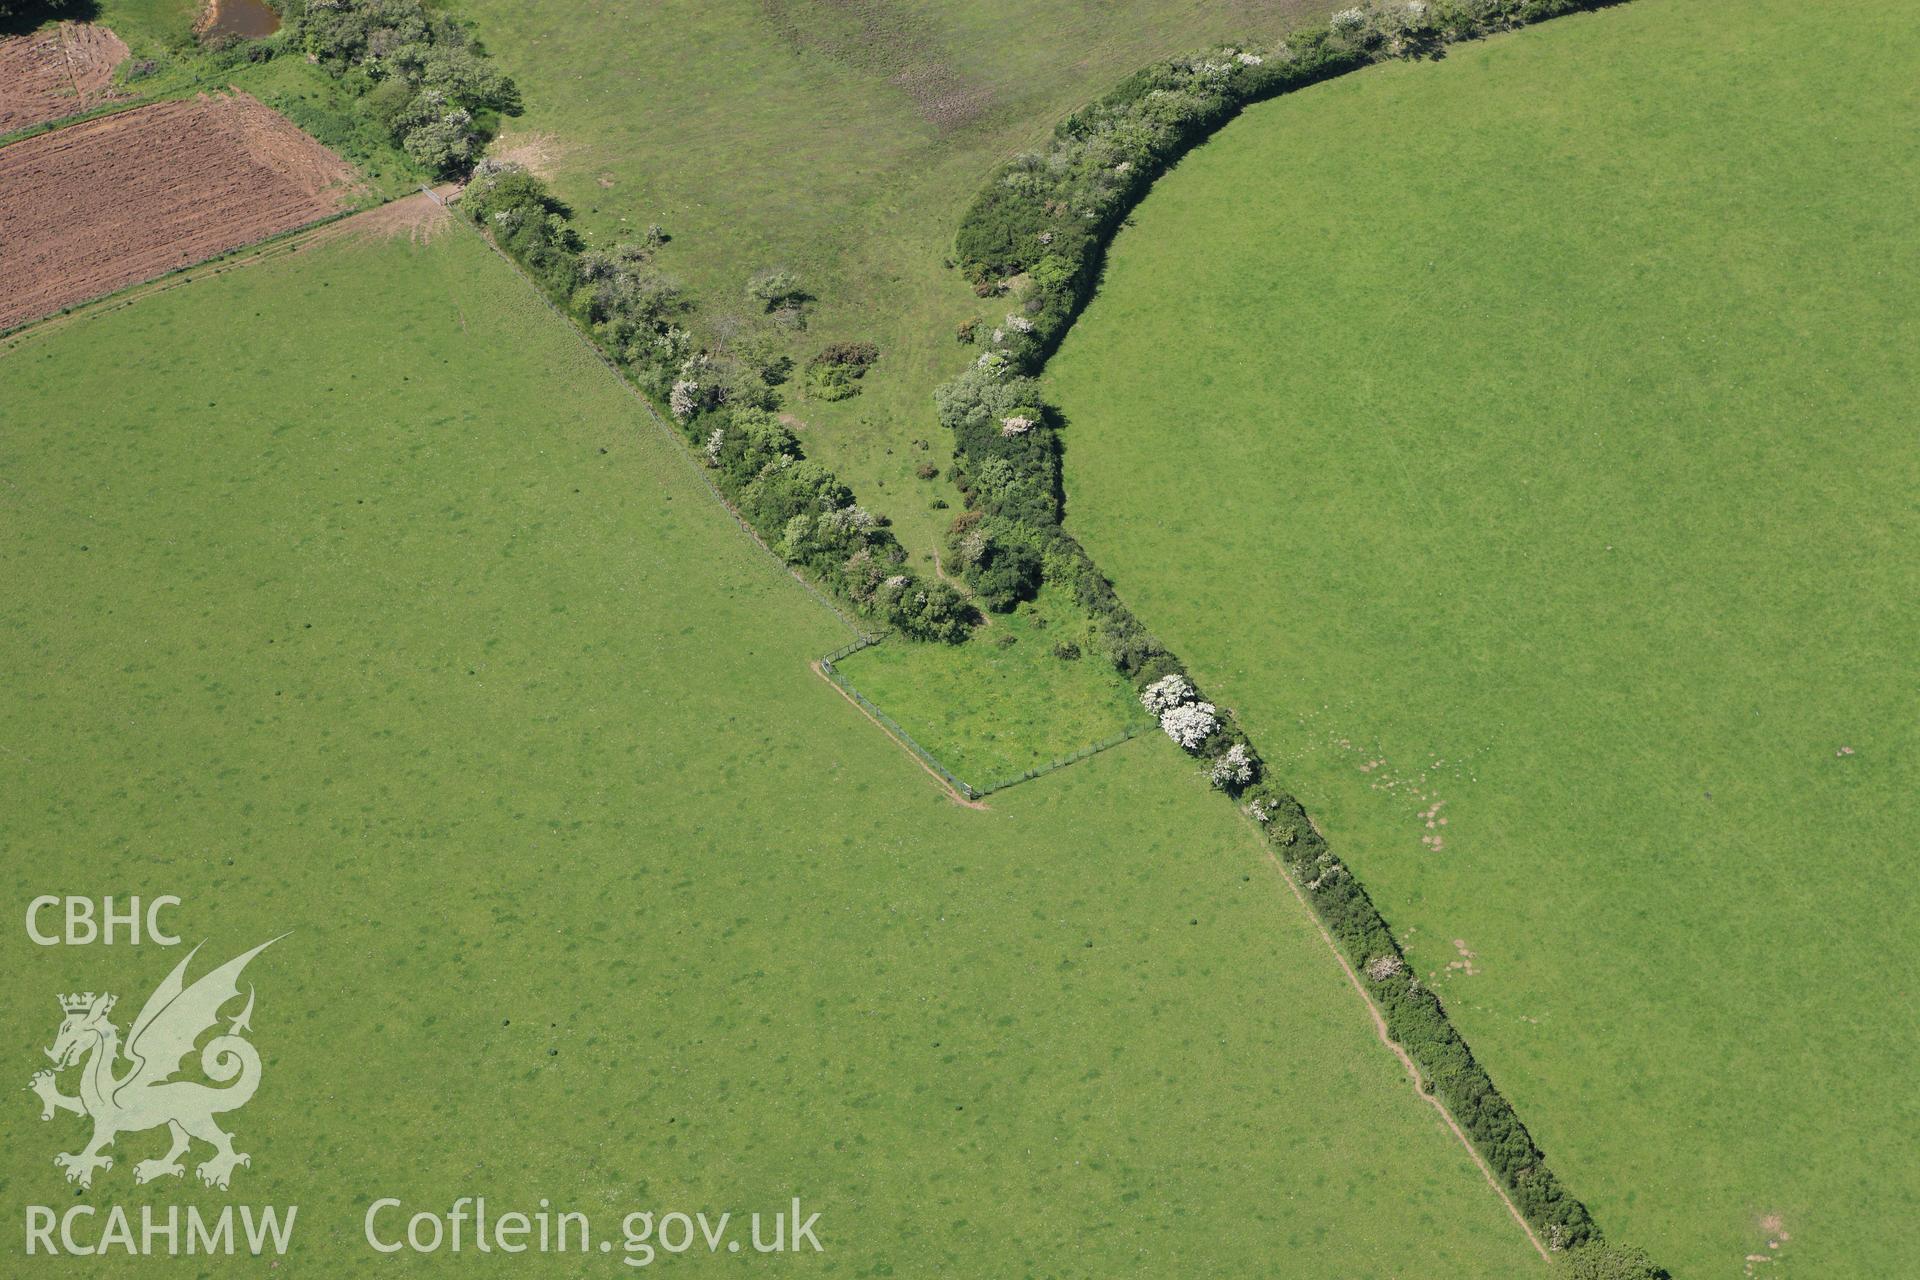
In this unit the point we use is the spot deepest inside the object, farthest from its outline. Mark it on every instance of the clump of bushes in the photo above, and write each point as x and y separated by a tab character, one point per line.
419	73
1604	1262
631	306
996	557
835	372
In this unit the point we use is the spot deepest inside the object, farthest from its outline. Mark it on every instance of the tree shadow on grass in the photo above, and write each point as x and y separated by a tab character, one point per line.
19	19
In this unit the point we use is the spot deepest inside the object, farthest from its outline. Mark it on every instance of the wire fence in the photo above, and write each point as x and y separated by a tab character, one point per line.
1041	771
932	761
848	650
891	725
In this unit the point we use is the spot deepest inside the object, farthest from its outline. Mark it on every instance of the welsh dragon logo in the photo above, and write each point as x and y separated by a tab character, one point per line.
146	1095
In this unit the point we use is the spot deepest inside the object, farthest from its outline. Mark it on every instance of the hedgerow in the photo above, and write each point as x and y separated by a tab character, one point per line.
721	401
1037	233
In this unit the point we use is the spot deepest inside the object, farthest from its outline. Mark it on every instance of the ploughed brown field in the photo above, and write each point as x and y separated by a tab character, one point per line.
110	202
58	72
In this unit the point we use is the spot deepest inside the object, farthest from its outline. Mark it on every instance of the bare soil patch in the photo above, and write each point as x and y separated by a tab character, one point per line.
537	153
417	217
56	73
111	202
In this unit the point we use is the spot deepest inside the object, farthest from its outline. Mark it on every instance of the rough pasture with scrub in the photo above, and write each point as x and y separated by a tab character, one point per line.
357	599
1534	482
838	141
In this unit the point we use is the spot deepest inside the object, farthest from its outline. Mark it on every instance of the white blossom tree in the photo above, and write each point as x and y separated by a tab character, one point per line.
1166	693
684	399
1380	968
1234	769
1190	723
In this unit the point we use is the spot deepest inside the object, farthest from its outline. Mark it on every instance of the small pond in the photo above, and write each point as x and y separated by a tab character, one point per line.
249	19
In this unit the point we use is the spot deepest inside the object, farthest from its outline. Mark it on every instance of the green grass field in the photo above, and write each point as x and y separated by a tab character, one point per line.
990	710
346	594
147	25
839	140
1523	444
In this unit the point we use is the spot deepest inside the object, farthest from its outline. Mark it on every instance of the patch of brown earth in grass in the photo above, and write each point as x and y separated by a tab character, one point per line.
537	153
1774	1227
418	217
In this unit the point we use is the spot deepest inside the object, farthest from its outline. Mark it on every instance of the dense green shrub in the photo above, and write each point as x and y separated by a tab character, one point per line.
783	295
526	221
777	289
835	372
420	73
1604	1262
997	557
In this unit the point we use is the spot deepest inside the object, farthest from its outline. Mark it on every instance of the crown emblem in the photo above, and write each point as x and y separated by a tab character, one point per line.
80	1002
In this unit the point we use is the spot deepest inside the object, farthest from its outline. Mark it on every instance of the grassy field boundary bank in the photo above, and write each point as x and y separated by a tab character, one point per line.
1039	232
103	109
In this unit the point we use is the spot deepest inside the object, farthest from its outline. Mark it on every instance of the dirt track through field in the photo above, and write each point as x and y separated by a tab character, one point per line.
55	73
110	202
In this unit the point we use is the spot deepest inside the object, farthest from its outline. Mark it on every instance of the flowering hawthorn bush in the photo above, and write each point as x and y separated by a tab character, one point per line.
1166	693
1190	724
684	399
1234	769
1380	968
